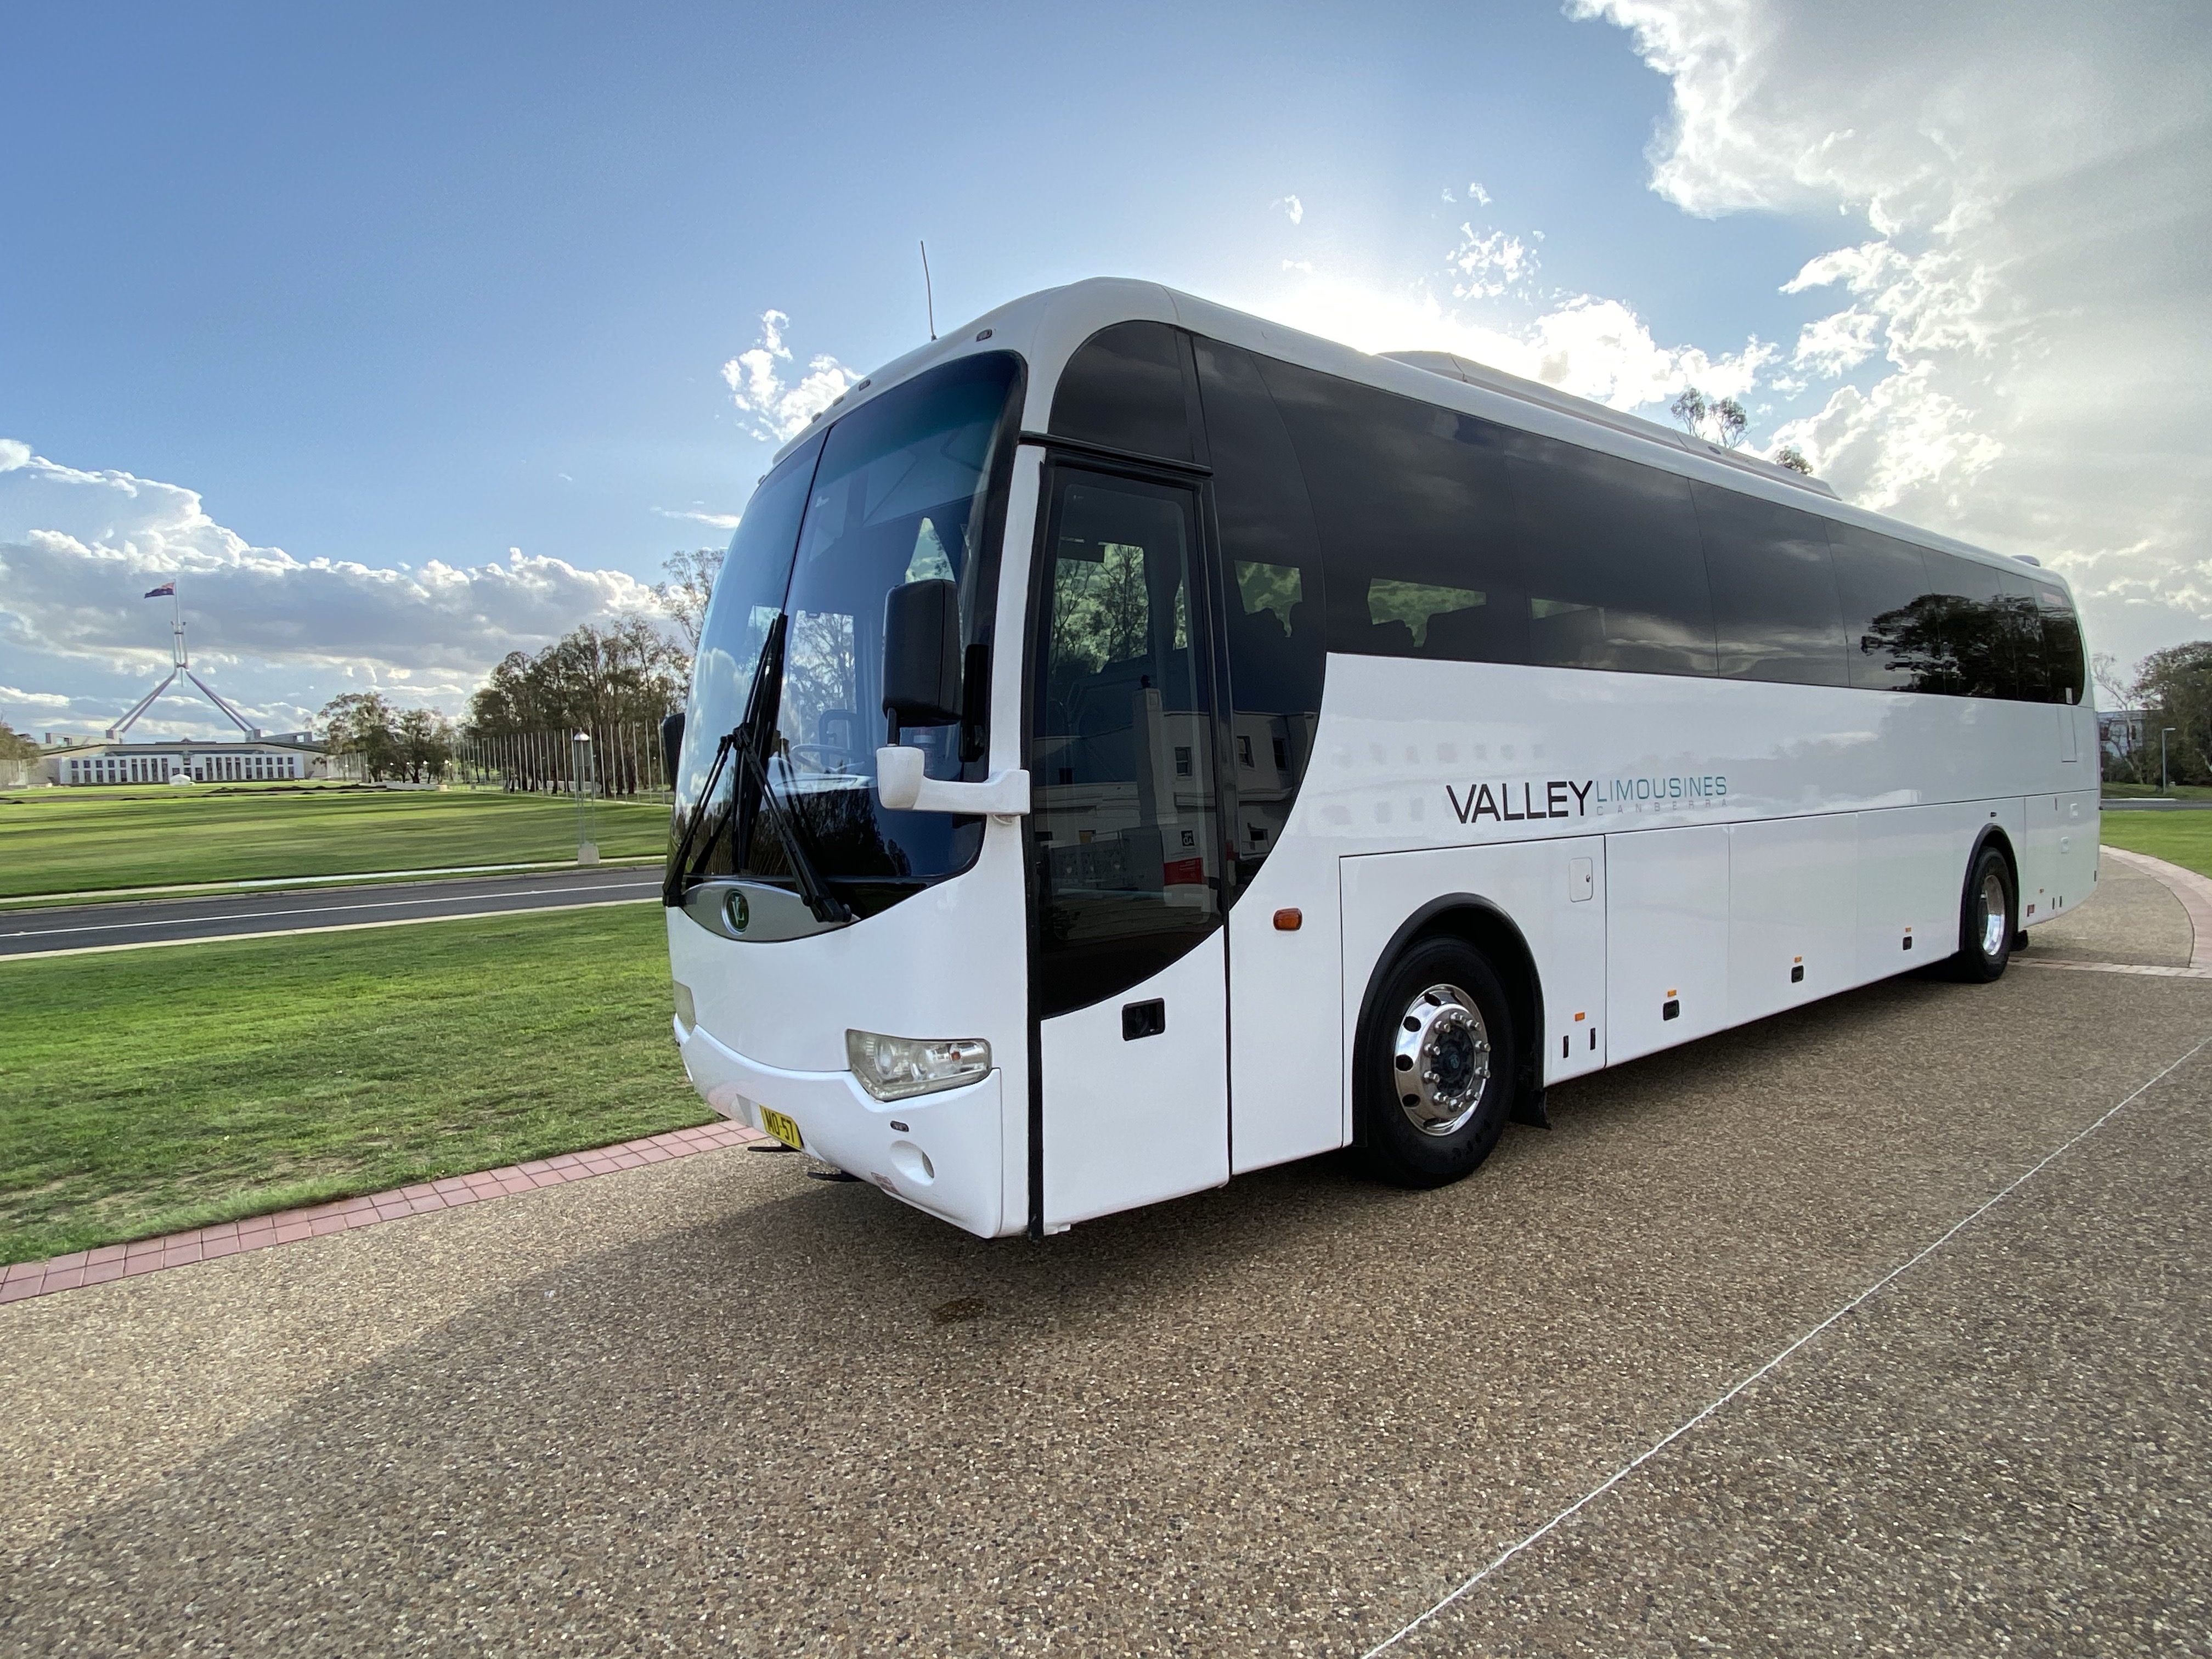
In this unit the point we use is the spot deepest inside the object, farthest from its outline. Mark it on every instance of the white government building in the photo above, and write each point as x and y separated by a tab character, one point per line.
252	757
243	760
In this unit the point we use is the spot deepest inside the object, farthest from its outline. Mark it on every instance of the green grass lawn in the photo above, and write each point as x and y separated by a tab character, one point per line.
2182	838
146	1092
2138	791
66	841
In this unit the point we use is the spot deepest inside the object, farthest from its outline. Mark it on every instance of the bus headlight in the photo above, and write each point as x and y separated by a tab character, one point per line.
891	1068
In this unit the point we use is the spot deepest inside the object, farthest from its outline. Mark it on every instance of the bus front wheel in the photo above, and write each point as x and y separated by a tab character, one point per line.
1435	1065
1987	923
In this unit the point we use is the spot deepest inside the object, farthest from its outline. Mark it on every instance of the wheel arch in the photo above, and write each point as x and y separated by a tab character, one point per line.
1993	833
1478	922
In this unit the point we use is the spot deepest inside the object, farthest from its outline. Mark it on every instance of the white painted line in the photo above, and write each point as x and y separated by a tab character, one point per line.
1880	1285
2194	892
336	927
311	910
619	860
2113	968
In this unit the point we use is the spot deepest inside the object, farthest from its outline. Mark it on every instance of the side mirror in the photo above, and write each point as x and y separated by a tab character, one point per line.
672	746
921	654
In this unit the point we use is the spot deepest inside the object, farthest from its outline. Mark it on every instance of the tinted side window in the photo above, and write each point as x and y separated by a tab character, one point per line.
1616	575
2062	645
2023	630
1976	631
1277	606
1775	605
1125	387
1892	629
1121	757
1415	518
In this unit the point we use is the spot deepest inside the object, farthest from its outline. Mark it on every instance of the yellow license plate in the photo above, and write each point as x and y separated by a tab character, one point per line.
782	1128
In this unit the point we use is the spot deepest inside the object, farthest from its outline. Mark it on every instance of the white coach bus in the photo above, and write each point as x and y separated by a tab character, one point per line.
1133	744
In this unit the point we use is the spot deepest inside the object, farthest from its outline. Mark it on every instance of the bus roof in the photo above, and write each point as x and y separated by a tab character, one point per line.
1049	326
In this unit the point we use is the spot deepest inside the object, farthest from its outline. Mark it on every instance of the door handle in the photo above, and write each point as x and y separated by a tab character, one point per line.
1143	1019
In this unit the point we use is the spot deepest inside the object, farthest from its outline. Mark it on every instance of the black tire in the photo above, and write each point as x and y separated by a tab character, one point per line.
1988	919
1463	1121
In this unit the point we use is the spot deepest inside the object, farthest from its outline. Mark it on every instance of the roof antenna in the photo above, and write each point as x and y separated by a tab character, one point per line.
927	295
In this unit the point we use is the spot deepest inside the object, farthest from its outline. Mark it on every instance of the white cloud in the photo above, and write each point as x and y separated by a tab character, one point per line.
52	702
1835	345
1489	266
692	515
2038	185
1478	195
14	452
1594	348
1291	206
176	714
775	407
78	549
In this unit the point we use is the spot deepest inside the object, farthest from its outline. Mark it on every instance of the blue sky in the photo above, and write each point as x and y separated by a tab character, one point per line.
415	288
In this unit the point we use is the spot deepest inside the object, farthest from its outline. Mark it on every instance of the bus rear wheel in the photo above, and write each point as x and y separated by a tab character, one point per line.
1435	1065
1988	922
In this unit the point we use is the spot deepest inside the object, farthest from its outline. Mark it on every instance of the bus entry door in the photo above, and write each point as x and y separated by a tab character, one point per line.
1128	960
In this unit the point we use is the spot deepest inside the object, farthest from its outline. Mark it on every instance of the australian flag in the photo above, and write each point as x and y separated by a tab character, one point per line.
167	590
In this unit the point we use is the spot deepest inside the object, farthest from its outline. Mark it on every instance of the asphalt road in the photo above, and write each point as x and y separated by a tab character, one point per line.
141	921
715	1406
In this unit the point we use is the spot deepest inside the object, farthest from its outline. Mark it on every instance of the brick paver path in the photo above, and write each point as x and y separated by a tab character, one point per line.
66	1273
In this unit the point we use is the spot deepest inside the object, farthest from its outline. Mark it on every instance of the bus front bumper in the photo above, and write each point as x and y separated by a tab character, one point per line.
939	1152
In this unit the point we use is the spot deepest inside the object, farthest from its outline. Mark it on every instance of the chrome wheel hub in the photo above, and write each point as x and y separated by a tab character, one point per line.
1440	1062
1996	914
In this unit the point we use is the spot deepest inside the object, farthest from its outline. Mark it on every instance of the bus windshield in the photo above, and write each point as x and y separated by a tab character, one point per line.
908	488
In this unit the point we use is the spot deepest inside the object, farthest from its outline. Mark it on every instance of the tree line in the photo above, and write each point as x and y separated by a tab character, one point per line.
2169	688
593	679
15	746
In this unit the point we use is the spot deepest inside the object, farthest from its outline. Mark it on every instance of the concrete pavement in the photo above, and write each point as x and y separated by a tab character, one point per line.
715	1406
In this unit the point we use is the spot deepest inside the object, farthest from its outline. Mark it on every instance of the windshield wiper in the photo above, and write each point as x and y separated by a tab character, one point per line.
673	885
763	701
825	904
767	667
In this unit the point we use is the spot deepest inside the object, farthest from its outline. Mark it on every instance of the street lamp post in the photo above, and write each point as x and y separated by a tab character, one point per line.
2163	787
579	750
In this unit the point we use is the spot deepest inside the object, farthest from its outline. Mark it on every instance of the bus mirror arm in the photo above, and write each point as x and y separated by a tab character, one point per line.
901	786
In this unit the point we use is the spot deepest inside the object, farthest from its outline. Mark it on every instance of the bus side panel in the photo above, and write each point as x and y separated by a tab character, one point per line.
2045	816
2075	875
1667	938
1793	912
1286	1052
1135	1120
1553	891
1912	863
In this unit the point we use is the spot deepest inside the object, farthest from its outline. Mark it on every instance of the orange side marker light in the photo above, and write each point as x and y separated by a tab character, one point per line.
1288	920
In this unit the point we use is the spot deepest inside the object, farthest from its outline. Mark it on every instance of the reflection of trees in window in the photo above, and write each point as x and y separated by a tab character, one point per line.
843	833
1915	640
929	561
1415	603
821	672
1272	587
1101	612
1951	645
